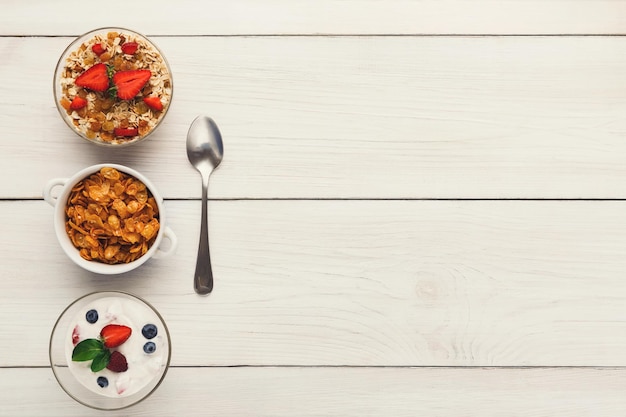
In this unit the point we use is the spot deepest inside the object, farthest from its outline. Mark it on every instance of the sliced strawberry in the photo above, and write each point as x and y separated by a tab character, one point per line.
153	102
117	362
98	49
129	83
76	335
78	103
114	335
95	78
126	131
129	47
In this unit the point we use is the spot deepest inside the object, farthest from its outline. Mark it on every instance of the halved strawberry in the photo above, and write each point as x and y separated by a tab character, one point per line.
114	335
126	131
117	362
129	47
98	49
129	83
78	103
153	102
95	78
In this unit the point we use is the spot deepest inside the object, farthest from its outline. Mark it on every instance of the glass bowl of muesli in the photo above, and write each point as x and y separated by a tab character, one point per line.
113	86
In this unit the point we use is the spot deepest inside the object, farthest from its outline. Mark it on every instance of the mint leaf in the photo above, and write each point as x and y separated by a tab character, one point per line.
87	350
101	360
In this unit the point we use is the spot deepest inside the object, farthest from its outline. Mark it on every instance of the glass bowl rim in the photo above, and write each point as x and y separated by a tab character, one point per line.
105	293
60	64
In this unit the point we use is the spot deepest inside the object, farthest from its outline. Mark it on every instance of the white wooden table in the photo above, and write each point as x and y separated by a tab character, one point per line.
421	210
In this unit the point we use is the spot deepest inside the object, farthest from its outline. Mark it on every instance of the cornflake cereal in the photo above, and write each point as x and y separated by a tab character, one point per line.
111	217
115	87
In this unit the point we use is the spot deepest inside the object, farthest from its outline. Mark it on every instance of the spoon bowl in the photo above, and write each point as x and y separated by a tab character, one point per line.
205	151
204	144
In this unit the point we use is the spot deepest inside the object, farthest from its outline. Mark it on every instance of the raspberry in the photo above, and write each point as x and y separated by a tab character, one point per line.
118	362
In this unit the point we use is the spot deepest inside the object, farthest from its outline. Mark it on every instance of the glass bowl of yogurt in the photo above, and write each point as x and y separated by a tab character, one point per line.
110	350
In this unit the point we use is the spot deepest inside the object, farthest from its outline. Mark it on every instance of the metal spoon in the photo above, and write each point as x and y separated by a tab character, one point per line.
205	152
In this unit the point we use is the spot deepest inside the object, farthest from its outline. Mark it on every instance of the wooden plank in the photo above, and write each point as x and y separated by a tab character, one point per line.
245	17
567	392
445	283
381	117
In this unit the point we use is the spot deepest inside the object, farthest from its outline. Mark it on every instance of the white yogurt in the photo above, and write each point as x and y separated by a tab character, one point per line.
143	367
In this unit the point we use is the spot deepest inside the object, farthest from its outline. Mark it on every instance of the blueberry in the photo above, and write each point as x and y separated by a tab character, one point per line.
149	347
149	331
92	316
103	382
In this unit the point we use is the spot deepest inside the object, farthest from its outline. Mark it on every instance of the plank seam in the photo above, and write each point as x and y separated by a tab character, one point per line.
10	199
356	35
477	367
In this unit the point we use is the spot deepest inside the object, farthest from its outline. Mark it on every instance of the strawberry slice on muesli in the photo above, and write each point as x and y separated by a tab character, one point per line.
154	103
129	83
95	78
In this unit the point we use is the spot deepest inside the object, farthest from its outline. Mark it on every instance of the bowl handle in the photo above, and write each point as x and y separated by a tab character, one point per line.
47	190
169	235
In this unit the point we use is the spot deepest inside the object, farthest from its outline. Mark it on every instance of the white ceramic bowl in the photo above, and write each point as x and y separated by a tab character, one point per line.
164	72
78	382
59	203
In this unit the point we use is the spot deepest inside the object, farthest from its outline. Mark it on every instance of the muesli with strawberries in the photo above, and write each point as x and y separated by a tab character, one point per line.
115	87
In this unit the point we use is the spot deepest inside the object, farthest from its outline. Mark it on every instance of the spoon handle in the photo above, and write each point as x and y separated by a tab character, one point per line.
203	279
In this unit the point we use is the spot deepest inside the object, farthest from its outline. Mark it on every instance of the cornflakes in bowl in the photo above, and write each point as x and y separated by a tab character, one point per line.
113	86
109	218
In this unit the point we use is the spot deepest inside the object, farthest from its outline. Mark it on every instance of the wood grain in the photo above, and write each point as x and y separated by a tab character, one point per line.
314	17
421	209
361	117
385	283
345	392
